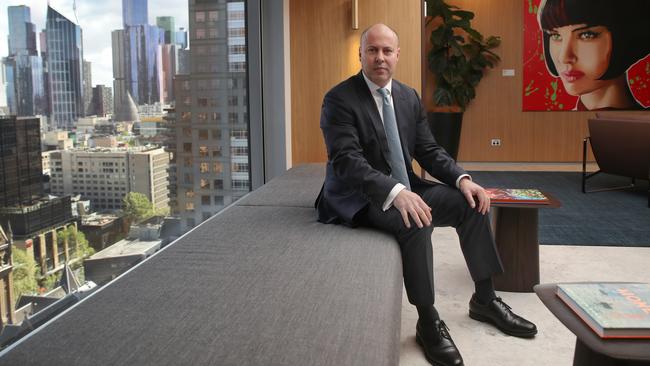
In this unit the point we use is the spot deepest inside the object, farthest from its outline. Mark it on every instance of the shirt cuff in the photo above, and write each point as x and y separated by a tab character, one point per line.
391	196
461	177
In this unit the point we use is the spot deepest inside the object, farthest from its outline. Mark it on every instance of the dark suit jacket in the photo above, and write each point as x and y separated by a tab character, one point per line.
358	172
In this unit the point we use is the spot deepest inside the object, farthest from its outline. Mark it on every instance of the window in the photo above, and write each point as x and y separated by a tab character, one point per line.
213	33
205	184
206	215
233	117
199	16
239	150
216	153
216	134
203	151
189	206
218	200
204	168
186	116
202	102
216	117
213	16
187	147
237	133
187	132
218	167
218	184
189	193
239	184
232	100
203	134
187	162
200	33
240	167
205	200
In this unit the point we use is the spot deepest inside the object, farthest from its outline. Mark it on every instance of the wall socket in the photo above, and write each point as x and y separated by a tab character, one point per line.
495	142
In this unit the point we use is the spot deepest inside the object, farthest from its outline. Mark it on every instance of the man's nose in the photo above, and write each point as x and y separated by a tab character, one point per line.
380	57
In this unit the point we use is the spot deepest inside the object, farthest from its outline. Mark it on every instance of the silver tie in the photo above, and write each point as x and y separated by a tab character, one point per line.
395	158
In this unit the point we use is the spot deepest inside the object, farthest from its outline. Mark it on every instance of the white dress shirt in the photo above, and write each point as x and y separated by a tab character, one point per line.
380	102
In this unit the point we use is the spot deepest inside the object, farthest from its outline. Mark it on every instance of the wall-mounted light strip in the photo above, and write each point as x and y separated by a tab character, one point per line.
355	14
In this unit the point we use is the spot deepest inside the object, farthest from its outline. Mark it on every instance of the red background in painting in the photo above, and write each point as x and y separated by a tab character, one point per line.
543	92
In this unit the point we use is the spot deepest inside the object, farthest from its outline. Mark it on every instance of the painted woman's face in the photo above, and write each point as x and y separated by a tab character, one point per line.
581	55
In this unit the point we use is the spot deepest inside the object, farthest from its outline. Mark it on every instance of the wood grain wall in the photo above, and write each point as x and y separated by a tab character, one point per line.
497	110
325	51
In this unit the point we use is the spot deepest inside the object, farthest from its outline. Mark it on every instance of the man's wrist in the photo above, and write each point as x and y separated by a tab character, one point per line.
460	178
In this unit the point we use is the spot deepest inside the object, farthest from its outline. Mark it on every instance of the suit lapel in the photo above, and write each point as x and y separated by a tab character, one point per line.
401	115
370	107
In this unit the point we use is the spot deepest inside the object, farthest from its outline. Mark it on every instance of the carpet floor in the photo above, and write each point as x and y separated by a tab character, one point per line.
615	218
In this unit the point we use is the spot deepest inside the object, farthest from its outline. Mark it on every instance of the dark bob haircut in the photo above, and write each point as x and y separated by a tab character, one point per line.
627	20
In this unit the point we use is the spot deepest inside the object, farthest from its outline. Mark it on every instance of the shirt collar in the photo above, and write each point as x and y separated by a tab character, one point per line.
373	87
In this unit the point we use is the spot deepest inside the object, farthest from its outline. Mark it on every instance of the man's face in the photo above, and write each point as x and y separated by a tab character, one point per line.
379	53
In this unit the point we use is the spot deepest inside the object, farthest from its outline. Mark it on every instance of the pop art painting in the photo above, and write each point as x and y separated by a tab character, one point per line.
586	55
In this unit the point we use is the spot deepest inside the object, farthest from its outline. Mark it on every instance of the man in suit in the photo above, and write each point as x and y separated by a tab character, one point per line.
373	127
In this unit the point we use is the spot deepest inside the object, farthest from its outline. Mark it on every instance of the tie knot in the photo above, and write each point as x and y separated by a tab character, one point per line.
384	92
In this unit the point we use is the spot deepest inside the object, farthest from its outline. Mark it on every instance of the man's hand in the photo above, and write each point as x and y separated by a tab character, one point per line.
409	203
471	189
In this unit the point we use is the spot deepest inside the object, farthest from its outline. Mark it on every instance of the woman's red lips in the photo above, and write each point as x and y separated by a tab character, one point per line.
572	75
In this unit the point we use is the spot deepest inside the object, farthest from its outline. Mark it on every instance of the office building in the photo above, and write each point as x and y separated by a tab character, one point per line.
4	108
23	66
105	176
168	24
181	38
103	100
167	70
20	161
135	12
65	70
88	105
211	114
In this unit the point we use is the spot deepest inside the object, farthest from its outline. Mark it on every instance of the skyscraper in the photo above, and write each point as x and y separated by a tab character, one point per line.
24	68
136	56
65	70
168	24
21	170
212	158
134	12
103	100
89	107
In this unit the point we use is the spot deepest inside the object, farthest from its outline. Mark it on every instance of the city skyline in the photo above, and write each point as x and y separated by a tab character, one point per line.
97	35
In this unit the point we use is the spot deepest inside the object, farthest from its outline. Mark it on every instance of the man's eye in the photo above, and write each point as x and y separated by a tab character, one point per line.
588	35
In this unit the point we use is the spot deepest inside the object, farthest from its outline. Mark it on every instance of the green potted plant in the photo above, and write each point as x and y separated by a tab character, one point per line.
457	56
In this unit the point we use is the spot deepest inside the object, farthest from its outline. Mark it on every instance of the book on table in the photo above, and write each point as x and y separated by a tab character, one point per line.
509	195
612	310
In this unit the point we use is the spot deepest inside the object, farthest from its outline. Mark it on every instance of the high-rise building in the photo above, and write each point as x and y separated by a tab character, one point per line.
65	70
104	176
134	12
89	107
7	315
167	70
142	60
183	62
212	159
26	95
168	24
103	100
4	108
181	38
118	45
21	170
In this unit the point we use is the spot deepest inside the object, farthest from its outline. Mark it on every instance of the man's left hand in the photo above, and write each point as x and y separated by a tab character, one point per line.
471	189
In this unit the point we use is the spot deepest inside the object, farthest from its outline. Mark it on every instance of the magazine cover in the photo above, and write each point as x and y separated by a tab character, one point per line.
612	310
507	195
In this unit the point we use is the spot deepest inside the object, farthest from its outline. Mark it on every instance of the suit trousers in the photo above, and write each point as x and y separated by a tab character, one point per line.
449	208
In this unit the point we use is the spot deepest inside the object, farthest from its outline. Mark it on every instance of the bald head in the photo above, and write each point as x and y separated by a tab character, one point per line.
379	53
378	27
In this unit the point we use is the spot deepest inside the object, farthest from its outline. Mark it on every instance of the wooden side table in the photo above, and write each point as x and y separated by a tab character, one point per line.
514	226
591	350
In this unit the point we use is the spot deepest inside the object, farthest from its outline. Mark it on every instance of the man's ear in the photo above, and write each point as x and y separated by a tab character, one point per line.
359	53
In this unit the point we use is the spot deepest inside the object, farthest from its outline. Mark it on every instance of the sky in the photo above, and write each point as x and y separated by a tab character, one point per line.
97	19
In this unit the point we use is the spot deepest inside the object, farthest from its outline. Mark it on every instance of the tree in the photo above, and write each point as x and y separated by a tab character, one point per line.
137	206
25	273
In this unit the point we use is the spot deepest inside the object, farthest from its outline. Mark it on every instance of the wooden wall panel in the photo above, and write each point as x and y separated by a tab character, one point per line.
497	110
324	52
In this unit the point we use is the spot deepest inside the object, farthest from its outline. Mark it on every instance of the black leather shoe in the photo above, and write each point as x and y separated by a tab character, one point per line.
498	313
439	348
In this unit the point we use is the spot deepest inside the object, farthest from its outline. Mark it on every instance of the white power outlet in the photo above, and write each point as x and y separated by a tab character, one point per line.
495	142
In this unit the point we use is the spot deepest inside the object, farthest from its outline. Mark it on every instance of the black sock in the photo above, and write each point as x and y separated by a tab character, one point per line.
428	314
484	291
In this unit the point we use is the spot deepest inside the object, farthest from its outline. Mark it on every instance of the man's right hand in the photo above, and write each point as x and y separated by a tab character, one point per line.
409	203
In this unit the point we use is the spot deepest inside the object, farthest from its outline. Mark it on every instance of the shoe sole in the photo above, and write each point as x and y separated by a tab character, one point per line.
485	319
431	360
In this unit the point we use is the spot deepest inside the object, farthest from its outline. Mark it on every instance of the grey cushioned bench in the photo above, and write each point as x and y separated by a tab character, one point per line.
261	283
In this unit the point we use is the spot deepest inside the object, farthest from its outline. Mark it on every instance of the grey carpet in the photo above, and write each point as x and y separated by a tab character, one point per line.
252	286
617	218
